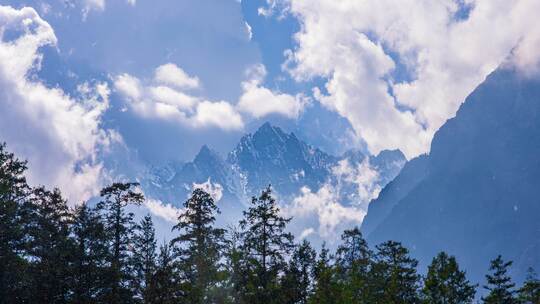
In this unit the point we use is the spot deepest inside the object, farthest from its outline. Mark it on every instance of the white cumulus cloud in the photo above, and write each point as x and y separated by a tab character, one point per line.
165	211
171	74
259	101
363	177
60	135
214	189
446	48
339	204
172	97
164	98
129	86
324	206
221	114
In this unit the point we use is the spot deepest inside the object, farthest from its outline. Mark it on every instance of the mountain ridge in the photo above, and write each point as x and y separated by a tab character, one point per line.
268	156
474	195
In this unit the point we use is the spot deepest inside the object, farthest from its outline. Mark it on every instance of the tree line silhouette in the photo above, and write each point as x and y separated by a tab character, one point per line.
51	253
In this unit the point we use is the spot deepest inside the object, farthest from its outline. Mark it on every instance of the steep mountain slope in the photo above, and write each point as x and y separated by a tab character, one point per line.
173	183
410	176
270	156
208	165
388	163
477	193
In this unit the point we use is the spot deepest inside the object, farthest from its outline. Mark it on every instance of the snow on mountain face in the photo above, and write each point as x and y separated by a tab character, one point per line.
272	157
208	170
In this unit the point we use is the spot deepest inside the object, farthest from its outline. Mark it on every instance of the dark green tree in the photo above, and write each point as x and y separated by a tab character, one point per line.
90	257
393	275
144	256
353	261
49	247
162	287
529	293
265	246
445	283
297	281
236	268
197	249
326	288
118	227
13	193
499	284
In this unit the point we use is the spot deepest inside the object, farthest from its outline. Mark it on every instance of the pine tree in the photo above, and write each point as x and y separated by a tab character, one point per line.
326	290
393	275
529	293
499	284
90	256
144	256
13	194
353	260
236	268
49	247
265	245
51	254
161	288
445	283
197	249
298	277
118	226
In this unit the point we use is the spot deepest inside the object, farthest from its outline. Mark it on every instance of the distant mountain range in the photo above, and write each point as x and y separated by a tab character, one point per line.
269	156
477	193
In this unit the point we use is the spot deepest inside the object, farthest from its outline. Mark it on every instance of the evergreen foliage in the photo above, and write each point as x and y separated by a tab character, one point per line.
529	293
393	275
297	281
118	226
90	250
326	290
49	247
13	192
499	284
50	253
353	264
445	283
162	288
144	257
265	244
197	248
236	268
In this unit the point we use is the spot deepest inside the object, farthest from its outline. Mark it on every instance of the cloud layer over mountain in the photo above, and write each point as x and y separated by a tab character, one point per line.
397	70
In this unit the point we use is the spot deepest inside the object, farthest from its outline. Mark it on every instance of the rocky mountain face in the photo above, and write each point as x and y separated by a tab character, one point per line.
270	156
476	195
267	157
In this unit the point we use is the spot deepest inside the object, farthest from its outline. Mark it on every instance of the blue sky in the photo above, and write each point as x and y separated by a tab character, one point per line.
208	39
88	85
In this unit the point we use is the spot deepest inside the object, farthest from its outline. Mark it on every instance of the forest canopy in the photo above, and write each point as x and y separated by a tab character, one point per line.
51	252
